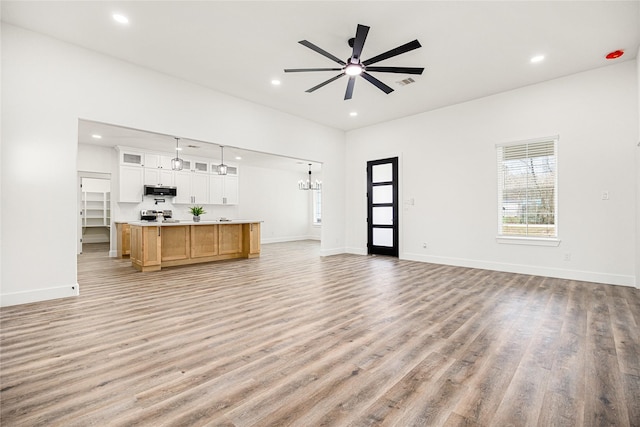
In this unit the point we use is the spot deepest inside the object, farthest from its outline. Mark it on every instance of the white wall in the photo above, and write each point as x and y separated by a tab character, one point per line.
47	86
273	196
638	178
448	166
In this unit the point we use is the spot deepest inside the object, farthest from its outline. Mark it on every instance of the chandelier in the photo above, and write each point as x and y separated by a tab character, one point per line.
308	184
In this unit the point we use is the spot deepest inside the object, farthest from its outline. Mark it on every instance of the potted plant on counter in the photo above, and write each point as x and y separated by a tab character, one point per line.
196	211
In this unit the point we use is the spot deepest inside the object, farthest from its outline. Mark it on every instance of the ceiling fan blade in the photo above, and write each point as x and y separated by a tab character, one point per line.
358	43
402	70
300	70
321	51
393	52
349	93
377	83
324	83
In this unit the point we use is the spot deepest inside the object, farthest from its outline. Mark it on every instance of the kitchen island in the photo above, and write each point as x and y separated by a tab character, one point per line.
165	244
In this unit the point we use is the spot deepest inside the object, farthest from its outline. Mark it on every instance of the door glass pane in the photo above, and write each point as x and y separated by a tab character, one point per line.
382	173
383	237
383	215
382	194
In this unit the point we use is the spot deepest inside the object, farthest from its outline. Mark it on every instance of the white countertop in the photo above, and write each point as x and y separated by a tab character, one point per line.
190	222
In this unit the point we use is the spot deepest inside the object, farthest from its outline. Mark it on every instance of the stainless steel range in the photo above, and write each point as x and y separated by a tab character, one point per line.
150	215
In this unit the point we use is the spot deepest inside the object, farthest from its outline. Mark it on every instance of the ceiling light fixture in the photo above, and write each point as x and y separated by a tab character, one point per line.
537	58
615	54
309	184
222	168
177	163
275	82
353	69
353	113
121	19
96	136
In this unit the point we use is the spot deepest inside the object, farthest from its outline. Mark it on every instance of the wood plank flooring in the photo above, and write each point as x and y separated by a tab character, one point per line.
291	338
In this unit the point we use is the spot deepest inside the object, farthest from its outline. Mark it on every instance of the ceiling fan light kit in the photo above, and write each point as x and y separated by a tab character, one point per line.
354	67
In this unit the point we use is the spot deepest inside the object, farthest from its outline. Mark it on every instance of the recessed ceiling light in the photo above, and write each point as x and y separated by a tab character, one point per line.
275	82
120	18
615	54
178	148
238	158
353	113
537	58
96	136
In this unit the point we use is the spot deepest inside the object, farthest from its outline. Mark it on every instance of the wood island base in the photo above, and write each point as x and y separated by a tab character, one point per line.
167	245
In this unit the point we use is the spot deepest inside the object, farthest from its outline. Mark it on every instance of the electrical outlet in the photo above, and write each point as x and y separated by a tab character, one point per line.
605	195
567	256
424	245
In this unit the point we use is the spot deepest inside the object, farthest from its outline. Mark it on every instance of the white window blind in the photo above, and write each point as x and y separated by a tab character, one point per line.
527	189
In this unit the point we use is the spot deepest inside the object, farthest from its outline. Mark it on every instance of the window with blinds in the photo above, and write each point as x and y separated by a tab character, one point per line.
528	189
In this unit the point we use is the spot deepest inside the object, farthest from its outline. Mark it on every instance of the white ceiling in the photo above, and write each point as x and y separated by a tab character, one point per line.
469	49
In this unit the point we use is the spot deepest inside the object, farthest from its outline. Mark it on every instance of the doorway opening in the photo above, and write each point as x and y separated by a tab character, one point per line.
94	219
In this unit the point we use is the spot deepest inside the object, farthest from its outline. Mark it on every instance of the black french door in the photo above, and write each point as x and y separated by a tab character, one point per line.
382	207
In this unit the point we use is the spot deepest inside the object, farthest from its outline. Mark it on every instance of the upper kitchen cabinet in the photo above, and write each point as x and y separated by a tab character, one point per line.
131	184
130	157
157	161
163	177
191	188
223	189
195	165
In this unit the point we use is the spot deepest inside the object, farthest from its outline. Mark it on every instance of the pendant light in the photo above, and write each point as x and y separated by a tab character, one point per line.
309	184
177	163
222	168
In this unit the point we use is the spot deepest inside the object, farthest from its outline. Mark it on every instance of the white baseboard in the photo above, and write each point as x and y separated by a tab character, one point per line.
36	295
268	240
585	276
113	254
357	251
331	251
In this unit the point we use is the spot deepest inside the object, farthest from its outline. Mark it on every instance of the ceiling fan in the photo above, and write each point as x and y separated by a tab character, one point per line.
354	67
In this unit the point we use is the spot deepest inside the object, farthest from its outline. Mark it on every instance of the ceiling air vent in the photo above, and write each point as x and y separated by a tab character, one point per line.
193	146
405	82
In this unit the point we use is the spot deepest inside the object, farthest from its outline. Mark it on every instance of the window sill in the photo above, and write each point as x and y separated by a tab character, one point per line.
529	241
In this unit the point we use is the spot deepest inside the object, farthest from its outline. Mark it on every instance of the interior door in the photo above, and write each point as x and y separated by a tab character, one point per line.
382	207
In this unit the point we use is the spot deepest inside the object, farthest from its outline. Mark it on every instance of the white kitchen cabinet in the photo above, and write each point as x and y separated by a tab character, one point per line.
192	188
158	177
223	189
131	184
195	165
157	161
230	190
131	157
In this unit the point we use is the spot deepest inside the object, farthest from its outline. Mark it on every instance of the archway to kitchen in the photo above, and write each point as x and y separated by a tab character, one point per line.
267	184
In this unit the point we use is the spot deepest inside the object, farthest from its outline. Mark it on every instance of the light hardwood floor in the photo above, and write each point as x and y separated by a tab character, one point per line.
291	338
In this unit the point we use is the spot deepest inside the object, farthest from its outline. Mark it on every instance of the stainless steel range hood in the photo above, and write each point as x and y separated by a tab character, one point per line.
160	190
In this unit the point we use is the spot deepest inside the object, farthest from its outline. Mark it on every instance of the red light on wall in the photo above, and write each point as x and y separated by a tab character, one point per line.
615	54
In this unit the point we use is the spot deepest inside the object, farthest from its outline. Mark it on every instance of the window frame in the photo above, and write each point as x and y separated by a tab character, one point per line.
527	239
